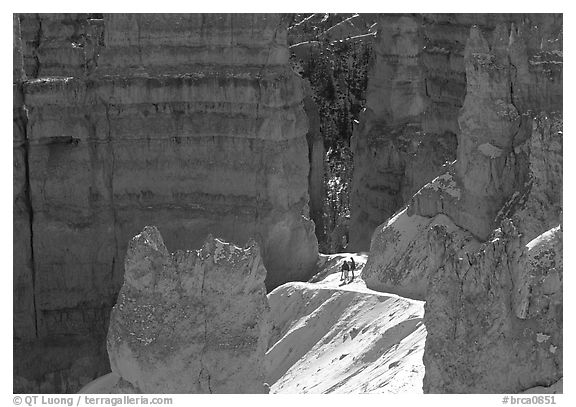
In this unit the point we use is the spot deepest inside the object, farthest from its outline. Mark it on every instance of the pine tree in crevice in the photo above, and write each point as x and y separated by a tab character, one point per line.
333	52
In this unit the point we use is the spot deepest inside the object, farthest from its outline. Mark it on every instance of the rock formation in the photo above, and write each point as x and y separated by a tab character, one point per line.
400	261
407	132
192	321
481	242
538	206
416	90
190	122
196	123
333	51
509	155
60	44
494	320
316	152
24	309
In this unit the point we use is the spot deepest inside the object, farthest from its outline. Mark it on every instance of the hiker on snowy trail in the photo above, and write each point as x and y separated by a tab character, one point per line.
344	273
352	267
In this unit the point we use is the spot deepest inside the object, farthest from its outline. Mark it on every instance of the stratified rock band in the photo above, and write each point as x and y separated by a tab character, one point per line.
287	203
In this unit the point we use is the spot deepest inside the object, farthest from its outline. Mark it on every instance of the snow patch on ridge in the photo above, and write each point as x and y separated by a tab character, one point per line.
334	338
444	183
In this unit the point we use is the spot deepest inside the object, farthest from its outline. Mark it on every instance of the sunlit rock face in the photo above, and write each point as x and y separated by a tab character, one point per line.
494	319
508	159
482	242
401	260
502	162
193	123
494	315
191	321
418	84
408	130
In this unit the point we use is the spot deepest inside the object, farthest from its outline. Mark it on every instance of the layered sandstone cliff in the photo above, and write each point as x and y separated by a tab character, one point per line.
51	352
406	134
191	321
509	150
505	300
24	312
416	90
190	122
503	191
56	44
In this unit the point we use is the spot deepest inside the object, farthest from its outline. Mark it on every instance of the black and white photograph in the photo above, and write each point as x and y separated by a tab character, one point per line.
286	203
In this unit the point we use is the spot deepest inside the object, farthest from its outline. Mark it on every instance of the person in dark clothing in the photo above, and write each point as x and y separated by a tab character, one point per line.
344	271
352	267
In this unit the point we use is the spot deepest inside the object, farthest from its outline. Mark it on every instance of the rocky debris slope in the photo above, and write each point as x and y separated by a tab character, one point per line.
191	122
190	322
503	191
494	320
333	338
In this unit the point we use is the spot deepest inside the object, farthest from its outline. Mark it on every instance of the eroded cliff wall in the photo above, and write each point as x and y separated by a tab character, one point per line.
23	279
417	85
494	318
482	242
190	122
505	299
316	154
407	132
502	161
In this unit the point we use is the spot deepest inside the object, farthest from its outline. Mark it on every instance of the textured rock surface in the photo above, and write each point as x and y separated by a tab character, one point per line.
60	44
501	158
509	155
494	311
404	137
494	319
333	51
190	322
556	388
43	363
416	90
539	205
316	152
193	123
494	316
24	316
400	261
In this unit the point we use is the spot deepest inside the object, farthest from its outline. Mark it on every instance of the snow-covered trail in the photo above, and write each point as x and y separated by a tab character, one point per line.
334	338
